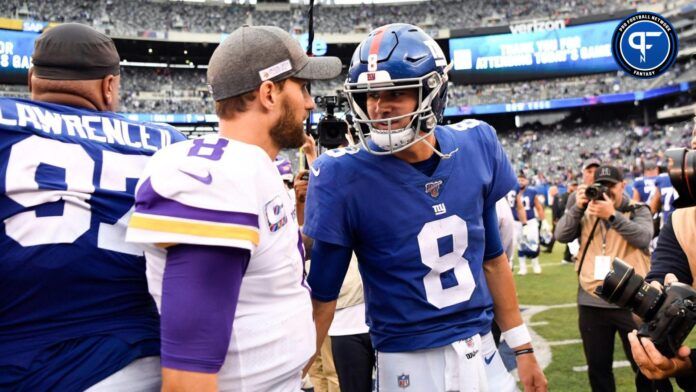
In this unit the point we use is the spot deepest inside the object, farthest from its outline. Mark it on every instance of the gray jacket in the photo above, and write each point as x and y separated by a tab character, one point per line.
638	231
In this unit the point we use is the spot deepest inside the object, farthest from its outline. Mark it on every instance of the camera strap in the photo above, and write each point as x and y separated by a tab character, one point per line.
631	208
587	245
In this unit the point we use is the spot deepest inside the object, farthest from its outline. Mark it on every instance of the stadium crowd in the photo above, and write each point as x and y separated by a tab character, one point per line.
577	86
554	153
183	90
132	17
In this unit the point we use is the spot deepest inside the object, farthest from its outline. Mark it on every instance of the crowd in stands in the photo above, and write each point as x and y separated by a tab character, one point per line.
183	90
578	86
164	90
131	17
556	153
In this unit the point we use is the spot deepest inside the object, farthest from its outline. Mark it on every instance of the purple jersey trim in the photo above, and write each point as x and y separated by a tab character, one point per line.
148	201
200	290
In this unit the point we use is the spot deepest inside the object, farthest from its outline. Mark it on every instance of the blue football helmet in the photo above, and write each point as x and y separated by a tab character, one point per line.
395	57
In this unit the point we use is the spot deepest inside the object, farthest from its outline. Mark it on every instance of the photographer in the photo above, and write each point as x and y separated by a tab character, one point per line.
608	225
674	260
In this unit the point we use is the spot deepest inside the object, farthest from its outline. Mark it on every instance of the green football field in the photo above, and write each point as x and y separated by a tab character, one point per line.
551	299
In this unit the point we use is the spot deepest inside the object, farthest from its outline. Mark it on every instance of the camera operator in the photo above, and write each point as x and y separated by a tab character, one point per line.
674	259
608	225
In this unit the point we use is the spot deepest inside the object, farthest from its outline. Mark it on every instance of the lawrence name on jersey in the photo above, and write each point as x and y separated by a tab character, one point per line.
73	298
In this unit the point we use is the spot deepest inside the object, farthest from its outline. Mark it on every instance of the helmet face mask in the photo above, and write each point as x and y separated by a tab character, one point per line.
410	59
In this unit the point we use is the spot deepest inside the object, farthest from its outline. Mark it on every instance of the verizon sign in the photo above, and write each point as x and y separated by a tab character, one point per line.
537	26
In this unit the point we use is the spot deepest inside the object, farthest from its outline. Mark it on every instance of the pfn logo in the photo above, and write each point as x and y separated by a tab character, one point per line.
644	45
641	45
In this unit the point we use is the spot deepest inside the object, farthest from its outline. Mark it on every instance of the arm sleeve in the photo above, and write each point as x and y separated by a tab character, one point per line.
637	231
503	177
161	216
328	269
326	213
669	257
506	223
494	247
200	290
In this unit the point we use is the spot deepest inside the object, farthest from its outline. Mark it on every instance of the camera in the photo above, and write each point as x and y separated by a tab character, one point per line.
331	131
682	174
595	191
669	314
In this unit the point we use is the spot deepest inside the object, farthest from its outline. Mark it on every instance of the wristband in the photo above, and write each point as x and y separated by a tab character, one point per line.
524	351
517	336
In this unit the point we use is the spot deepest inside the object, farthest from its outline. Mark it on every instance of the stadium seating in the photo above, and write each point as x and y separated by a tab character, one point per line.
557	152
129	17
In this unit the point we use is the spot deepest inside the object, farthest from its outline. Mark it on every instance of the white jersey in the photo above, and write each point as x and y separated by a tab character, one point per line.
215	191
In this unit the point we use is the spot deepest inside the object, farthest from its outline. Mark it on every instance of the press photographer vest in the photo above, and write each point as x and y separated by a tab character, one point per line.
616	246
684	225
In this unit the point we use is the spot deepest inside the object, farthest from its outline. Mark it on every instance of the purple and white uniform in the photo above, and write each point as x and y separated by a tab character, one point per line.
213	193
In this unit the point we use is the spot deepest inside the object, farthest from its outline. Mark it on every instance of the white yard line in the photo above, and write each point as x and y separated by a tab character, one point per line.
617	364
542	348
564	342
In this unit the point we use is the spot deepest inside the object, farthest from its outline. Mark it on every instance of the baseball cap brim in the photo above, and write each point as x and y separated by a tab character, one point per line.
608	179
320	68
591	162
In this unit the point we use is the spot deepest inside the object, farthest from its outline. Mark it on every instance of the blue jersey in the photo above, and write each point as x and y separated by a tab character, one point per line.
74	302
645	186
528	197
667	194
419	240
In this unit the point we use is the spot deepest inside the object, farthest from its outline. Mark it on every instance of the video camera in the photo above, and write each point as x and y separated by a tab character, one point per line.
331	131
682	174
669	313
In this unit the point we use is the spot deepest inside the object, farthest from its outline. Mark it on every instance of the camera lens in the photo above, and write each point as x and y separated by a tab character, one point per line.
593	192
625	288
682	173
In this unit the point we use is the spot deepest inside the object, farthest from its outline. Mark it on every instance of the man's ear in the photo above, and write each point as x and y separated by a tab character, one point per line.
268	95
108	87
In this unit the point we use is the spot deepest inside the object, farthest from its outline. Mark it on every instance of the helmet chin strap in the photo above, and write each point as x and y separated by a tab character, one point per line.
435	150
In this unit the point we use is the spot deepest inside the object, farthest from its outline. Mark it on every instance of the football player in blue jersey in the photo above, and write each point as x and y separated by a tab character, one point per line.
663	197
416	202
527	203
76	312
644	186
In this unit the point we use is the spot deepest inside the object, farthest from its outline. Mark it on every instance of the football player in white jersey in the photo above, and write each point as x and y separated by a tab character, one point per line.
236	312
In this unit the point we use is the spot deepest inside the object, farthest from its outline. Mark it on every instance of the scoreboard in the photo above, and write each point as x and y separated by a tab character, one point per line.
528	54
16	48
